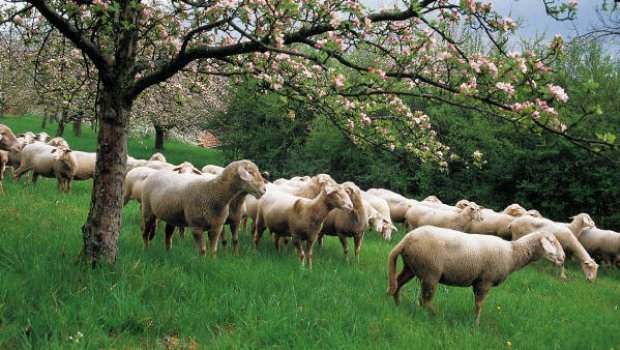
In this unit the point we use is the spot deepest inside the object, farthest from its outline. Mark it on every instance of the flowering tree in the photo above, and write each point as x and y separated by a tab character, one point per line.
12	69
340	58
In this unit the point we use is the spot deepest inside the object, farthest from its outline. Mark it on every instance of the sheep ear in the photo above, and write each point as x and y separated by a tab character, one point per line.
54	150
547	245
196	171
244	174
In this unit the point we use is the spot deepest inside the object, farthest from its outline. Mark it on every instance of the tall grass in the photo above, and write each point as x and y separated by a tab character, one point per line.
156	299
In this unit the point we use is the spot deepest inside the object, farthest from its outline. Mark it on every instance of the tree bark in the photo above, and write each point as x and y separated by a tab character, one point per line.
160	135
77	126
61	124
101	231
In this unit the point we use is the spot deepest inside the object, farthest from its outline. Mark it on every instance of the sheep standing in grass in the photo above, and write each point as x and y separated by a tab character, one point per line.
39	158
85	165
398	204
380	221
348	223
436	255
492	223
65	168
196	201
603	244
420	215
287	215
523	225
4	159
7	138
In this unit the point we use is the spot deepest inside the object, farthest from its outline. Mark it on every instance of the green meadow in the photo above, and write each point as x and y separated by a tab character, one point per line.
155	299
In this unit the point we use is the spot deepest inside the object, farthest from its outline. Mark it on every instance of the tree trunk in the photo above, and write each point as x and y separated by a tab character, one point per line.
102	228
77	126
61	124
160	135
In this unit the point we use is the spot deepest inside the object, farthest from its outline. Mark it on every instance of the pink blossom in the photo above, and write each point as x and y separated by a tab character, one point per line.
536	114
505	87
18	20
471	5
339	81
558	93
365	119
335	20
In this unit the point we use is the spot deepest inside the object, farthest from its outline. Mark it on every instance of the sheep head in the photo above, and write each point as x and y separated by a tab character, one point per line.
7	139
515	210
42	137
473	210
552	249
57	142
337	197
462	203
432	199
582	221
590	269
249	176
158	156
186	168
535	213
61	153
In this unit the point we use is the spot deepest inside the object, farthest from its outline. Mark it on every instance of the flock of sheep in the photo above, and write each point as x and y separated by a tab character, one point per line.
460	245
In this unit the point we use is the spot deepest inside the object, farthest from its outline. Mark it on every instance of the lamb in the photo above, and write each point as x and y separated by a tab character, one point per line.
302	218
380	219
492	223
196	201
348	223
526	224
398	204
437	255
420	215
4	159
603	244
65	167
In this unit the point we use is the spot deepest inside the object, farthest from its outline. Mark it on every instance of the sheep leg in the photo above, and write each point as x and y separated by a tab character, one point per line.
563	272
403	277
200	241
68	183
169	230
222	237
357	239
480	292
259	228
214	235
182	232
345	245
300	250
234	231
35	177
309	246
426	297
148	225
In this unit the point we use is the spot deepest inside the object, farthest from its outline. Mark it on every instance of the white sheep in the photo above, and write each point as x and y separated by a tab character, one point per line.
348	223
58	142
287	215
515	210
212	169
421	215
523	225
603	244
492	223
379	219
535	213
432	199
39	158
436	255
65	167
462	203
398	204
86	162
196	201
7	138
42	137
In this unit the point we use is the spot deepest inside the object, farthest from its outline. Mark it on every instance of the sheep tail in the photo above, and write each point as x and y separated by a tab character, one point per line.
394	254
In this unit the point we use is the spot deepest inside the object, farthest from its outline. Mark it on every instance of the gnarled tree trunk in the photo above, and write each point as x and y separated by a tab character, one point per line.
102	228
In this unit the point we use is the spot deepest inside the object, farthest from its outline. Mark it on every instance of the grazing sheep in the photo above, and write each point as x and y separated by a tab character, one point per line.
4	159
196	201
579	223
302	218
29	137
515	210
86	165
58	142
134	180
603	244
420	215
7	138
39	158
437	255
380	220
535	213
523	225
432	199
492	223
42	137
398	204
212	169
462	203
65	167
348	223
158	157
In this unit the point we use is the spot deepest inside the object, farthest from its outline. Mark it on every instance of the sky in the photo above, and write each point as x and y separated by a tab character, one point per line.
533	19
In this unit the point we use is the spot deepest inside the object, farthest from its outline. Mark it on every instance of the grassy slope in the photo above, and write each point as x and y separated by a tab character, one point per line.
258	299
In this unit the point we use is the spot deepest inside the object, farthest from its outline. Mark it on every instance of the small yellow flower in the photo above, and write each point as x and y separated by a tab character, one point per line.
499	307
508	343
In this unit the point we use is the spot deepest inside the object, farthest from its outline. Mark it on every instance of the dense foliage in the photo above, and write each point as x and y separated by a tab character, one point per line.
500	161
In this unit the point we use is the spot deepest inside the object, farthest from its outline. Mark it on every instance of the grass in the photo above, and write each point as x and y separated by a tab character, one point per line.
154	299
